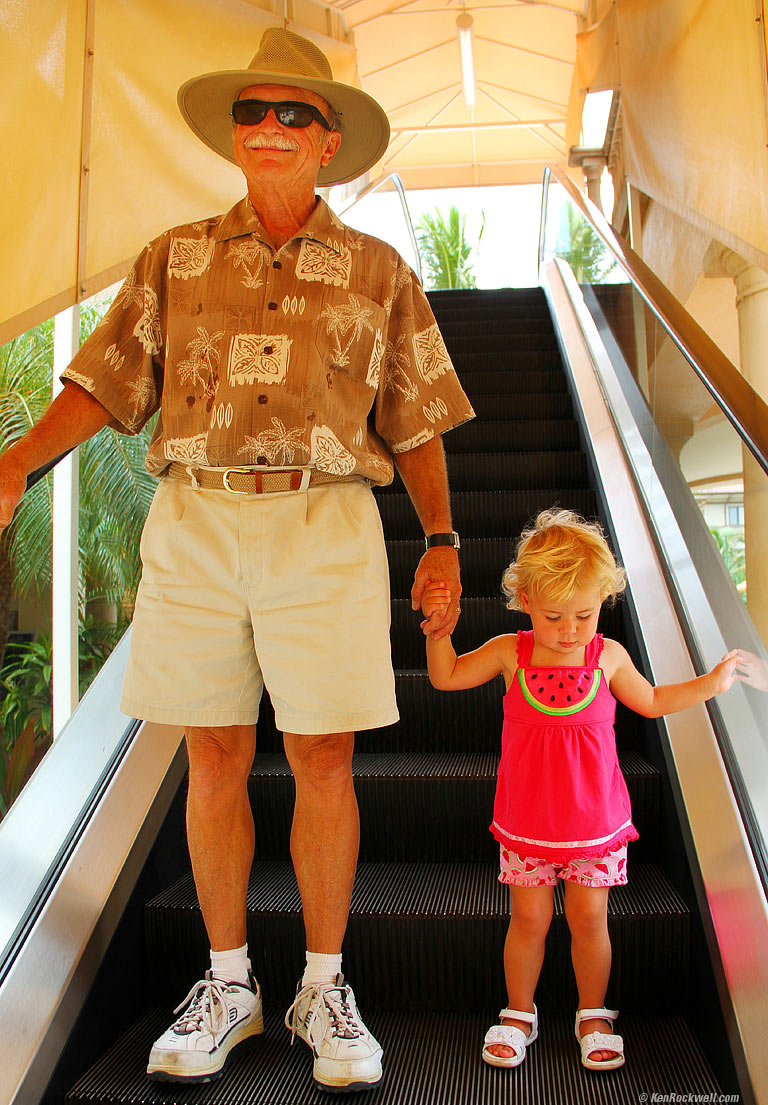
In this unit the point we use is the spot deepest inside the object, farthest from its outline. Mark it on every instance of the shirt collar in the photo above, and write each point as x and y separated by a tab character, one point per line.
322	225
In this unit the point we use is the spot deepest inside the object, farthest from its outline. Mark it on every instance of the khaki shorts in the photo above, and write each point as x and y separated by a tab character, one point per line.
287	590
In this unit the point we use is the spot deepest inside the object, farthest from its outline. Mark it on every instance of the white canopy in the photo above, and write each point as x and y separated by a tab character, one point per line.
98	159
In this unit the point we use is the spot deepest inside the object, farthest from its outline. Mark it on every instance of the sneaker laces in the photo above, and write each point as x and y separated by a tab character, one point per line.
335	997
205	1006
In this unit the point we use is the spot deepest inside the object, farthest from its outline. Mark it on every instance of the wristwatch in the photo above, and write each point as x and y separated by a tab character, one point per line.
451	539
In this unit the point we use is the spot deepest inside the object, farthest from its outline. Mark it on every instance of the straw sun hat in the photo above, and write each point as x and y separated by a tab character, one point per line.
288	59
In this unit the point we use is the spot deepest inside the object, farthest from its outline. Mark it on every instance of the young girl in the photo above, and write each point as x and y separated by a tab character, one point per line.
562	809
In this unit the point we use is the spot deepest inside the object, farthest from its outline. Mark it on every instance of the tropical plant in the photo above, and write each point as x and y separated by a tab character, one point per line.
585	251
446	251
732	548
115	493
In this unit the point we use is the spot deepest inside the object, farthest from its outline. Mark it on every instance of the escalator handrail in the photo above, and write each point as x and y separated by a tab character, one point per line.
740	403
374	186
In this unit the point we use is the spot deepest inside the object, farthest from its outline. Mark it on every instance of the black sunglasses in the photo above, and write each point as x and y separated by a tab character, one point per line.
291	113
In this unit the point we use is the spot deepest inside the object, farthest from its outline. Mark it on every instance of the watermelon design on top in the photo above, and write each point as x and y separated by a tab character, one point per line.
559	691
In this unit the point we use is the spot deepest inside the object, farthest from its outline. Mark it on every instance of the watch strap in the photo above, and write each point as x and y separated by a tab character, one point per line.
451	539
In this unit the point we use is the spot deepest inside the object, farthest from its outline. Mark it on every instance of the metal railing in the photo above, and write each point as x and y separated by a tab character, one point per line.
743	407
374	186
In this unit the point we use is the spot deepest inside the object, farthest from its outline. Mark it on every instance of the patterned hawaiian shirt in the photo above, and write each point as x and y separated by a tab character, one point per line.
323	352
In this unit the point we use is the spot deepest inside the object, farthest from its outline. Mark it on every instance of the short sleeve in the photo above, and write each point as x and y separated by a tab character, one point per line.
419	394
121	363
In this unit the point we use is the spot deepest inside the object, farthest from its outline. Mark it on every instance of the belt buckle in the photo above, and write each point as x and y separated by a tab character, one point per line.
233	490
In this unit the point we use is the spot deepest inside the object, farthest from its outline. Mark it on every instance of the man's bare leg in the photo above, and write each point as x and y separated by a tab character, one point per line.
324	844
325	836
220	836
220	830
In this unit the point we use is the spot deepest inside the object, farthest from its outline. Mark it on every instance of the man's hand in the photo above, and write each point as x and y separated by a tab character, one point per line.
439	563
13	484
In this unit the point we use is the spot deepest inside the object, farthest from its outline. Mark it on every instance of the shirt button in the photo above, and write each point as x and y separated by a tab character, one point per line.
262	399
277	264
268	349
272	306
262	460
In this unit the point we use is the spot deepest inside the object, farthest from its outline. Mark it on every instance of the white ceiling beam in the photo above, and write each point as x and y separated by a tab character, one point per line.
523	49
528	95
410	57
507	124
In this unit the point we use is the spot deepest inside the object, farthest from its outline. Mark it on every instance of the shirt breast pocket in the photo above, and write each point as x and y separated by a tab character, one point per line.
349	336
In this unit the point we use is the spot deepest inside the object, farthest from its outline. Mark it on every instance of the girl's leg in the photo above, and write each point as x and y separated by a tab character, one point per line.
530	917
586	910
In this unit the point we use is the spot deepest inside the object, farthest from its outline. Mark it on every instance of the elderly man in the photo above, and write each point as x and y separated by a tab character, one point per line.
291	359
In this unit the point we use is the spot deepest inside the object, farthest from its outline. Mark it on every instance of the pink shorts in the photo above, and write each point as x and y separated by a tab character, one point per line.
609	870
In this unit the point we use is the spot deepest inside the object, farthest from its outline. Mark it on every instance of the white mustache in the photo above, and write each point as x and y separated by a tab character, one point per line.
270	141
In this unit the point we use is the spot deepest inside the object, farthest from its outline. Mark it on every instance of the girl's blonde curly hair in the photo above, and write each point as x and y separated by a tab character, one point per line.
558	554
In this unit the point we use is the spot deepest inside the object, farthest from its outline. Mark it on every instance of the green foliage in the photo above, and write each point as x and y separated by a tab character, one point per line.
26	683
26	709
586	252
115	489
16	766
732	548
445	250
115	493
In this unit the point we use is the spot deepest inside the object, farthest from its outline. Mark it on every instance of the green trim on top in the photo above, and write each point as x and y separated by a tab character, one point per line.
559	711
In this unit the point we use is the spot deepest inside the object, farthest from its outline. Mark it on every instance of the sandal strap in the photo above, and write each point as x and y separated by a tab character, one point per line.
596	1014
519	1015
508	1034
601	1041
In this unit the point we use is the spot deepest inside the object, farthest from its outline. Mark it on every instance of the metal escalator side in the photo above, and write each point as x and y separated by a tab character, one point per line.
686	607
70	850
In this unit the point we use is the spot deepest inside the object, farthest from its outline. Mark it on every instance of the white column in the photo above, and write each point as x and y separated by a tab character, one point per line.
66	337
593	175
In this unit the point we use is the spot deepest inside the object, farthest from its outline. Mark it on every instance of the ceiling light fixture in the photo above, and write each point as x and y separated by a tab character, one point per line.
464	26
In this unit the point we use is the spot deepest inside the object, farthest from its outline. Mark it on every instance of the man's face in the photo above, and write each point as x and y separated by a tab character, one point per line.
269	152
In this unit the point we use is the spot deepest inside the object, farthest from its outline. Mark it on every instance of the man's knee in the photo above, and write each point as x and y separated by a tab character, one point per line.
321	761
219	757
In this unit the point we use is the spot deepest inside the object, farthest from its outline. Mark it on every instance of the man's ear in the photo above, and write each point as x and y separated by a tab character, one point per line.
332	143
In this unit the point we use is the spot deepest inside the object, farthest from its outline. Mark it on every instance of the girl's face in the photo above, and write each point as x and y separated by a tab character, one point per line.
564	626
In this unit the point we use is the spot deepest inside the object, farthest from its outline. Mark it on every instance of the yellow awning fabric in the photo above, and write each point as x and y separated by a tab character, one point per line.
145	169
693	96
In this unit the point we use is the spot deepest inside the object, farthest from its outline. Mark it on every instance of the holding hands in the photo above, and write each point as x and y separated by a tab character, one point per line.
435	599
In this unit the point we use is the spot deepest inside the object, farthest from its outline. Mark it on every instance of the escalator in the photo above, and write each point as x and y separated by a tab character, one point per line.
428	919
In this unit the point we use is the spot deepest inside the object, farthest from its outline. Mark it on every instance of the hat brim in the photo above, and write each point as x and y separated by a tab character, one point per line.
206	104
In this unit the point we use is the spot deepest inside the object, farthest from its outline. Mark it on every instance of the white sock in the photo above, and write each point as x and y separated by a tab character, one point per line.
321	968
232	965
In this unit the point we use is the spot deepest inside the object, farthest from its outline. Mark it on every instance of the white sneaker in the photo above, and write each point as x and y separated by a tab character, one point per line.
325	1016
217	1016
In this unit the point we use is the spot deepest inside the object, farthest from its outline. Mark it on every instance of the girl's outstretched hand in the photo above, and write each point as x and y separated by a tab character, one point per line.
724	673
436	597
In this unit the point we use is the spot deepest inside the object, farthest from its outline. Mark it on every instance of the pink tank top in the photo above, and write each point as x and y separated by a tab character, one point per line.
560	793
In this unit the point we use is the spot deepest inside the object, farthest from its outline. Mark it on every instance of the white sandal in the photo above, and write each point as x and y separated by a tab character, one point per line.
509	1035
599	1041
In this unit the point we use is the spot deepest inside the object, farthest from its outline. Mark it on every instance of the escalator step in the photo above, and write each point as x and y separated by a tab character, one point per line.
514	471
444	925
555	405
555	435
417	806
494	376
482	513
431	1060
481	619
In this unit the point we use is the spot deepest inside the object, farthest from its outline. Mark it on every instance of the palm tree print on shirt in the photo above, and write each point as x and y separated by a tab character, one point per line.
279	445
351	319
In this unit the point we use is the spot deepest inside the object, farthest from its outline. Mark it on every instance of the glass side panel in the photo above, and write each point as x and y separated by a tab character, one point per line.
714	492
